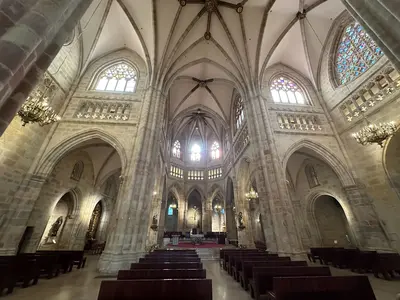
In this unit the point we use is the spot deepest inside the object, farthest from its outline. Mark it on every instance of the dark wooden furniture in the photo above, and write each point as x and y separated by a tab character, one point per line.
161	274
247	272
156	289
262	281
169	259
167	265
317	288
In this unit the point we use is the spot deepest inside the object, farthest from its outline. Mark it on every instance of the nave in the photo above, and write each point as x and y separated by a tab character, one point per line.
85	284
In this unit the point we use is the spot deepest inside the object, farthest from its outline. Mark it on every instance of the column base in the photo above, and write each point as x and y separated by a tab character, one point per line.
111	263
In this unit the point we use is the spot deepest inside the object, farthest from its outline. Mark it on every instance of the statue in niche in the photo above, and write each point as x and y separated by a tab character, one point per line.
154	225
77	171
240	220
55	227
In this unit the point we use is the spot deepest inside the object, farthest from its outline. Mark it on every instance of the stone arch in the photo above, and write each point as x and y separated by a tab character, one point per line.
314	222
391	162
199	190
53	155
323	154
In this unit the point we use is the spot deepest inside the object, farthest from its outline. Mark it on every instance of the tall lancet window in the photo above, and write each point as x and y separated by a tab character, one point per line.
195	154
176	149
239	113
356	53
117	78
311	176
215	152
284	90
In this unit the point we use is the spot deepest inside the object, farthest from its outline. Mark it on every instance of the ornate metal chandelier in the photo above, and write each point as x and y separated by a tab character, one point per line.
36	108
252	194
373	133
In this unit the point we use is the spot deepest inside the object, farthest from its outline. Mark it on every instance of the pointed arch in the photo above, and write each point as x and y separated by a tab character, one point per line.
325	155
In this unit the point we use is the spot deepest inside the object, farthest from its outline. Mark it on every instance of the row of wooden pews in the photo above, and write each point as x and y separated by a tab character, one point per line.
387	264
161	274
268	276
26	269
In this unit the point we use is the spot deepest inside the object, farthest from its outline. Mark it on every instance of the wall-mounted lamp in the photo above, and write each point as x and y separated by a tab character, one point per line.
252	194
173	205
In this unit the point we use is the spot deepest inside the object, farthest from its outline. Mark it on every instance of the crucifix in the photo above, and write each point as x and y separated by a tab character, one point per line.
211	6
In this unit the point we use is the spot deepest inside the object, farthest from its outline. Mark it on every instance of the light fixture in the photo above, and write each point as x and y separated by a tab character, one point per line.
373	133
36	108
252	194
217	207
154	193
172	205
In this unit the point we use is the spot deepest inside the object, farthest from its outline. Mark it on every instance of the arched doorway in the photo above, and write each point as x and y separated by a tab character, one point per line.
218	215
231	229
56	228
194	213
332	222
171	213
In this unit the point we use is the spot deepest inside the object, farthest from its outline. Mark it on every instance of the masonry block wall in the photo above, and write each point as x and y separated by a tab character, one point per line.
369	163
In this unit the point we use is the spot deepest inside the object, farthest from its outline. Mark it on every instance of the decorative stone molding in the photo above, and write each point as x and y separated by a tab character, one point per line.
100	110
373	92
299	122
242	141
196	175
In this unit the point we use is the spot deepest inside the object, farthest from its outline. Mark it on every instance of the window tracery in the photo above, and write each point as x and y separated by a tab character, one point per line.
176	149
239	113
284	90
356	53
195	153
77	171
117	78
215	153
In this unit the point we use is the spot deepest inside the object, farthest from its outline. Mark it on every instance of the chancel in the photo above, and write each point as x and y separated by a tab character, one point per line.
193	139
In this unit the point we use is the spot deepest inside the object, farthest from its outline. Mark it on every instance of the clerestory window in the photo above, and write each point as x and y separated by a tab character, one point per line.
117	78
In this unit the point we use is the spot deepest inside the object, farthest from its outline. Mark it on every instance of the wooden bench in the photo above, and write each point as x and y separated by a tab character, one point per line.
161	274
386	264
8	277
262	281
229	257
238	261
168	259
224	254
24	269
156	289
247	269
167	265
317	288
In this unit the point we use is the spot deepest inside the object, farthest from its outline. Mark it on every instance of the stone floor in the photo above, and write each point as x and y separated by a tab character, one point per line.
84	285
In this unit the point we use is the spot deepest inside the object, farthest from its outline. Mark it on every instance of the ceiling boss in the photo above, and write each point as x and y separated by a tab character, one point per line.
211	6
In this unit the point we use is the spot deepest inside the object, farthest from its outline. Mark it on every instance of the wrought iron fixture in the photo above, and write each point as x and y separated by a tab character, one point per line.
172	205
252	194
373	133
36	108
217	208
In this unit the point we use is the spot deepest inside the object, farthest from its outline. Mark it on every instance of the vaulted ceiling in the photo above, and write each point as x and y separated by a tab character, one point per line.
232	42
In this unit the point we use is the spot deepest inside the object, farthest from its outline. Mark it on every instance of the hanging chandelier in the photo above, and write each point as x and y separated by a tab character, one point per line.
36	108
252	194
373	133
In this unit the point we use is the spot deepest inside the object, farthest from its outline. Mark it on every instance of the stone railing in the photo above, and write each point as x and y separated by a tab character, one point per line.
299	122
372	93
176	172
242	141
98	110
214	173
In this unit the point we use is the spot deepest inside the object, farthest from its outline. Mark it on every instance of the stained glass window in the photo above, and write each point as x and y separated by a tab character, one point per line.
117	78
215	150
239	113
284	90
170	211
356	53
176	149
195	155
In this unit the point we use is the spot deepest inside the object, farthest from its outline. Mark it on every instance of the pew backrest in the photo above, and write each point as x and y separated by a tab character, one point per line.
167	265
161	274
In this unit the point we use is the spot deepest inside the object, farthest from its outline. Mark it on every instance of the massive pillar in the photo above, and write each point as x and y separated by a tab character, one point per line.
29	46
275	205
128	234
381	20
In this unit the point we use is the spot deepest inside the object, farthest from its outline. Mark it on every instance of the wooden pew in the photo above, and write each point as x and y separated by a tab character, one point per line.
161	274
262	281
8	278
237	262
247	272
316	288
24	269
168	259
167	265
386	264
229	254
156	289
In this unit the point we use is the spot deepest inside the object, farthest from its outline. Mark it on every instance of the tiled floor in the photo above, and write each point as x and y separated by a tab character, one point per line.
83	285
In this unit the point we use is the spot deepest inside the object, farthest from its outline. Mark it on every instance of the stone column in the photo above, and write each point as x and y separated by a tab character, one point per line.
128	235
381	19
207	215
26	67
370	231
275	205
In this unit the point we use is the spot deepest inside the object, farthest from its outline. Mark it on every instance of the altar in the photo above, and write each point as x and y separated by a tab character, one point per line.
197	239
